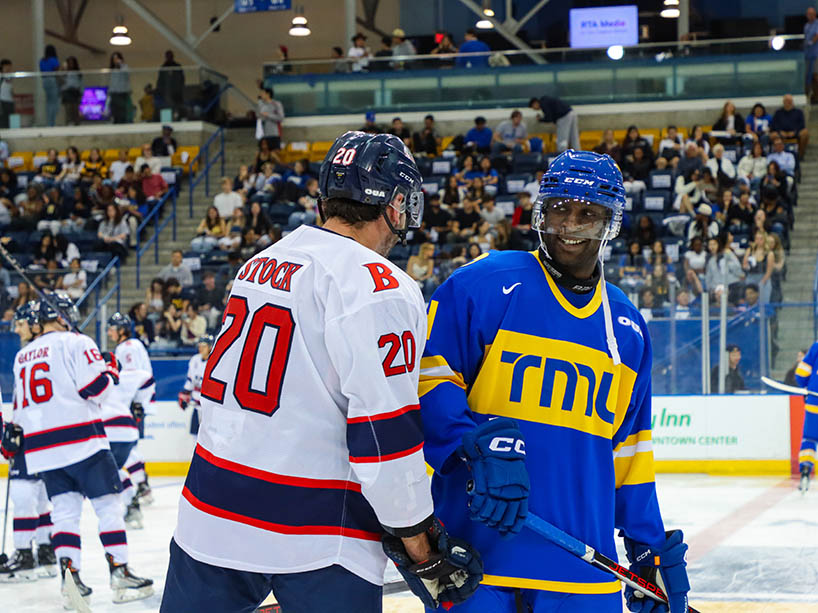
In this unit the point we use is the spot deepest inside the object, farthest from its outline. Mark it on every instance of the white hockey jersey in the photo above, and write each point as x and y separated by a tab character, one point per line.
132	355
60	379
134	386
311	437
193	382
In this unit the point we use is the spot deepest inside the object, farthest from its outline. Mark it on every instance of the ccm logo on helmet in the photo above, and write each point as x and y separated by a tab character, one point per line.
506	443
579	181
374	192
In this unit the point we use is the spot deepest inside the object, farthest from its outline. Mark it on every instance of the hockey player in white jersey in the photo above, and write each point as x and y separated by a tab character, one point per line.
60	378
190	395
32	510
310	449
132	355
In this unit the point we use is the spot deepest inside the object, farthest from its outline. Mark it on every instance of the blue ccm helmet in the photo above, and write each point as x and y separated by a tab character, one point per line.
373	169
58	306
586	176
121	322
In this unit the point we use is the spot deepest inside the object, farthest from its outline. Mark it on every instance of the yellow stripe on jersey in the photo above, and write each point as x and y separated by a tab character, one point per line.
633	460
803	369
633	440
580	312
806	455
434	370
477	259
553	382
430	318
565	587
811	408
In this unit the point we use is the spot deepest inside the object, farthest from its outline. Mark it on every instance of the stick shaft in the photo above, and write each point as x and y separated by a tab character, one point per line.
792	389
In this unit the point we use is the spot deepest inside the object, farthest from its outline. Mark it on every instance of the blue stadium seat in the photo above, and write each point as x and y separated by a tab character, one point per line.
315	169
515	183
656	200
732	153
526	162
660	179
434	184
424	165
506	204
442	166
279	212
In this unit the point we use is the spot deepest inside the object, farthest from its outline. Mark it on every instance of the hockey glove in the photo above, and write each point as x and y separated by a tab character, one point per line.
184	399
498	490
449	576
138	411
665	567
12	440
112	366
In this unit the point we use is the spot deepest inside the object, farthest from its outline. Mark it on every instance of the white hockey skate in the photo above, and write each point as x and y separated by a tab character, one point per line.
144	494
125	585
133	516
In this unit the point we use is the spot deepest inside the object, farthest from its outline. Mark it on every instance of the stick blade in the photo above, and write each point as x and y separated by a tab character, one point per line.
73	594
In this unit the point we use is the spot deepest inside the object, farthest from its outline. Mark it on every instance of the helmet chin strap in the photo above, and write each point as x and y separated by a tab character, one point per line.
610	337
401	234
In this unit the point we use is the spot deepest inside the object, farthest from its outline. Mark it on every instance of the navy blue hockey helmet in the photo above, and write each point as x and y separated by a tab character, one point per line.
373	169
26	312
57	306
587	177
206	339
121	322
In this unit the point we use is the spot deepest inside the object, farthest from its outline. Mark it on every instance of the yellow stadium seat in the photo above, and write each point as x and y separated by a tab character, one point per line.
319	150
445	142
295	151
38	159
184	156
84	155
20	161
134	152
619	135
111	155
655	132
588	139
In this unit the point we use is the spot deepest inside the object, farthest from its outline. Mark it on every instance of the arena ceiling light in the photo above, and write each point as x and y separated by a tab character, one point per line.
671	2
299	25
777	43
616	52
670	13
487	10
484	24
119	36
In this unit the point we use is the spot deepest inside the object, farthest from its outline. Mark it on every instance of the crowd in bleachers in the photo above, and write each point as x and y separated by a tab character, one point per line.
65	215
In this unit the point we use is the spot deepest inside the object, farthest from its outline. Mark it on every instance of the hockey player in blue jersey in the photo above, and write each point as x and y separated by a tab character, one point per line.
535	394
805	376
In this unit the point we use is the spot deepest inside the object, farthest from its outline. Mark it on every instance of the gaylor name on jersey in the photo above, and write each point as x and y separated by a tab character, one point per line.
193	382
310	438
60	379
134	386
505	340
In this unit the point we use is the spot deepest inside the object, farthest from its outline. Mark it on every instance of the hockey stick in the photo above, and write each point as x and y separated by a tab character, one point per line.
792	389
593	557
20	271
3	557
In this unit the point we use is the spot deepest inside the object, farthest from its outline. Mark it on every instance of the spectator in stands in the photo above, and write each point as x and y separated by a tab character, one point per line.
8	183
739	216
670	147
421	268
266	185
399	129
436	220
235	231
687	191
478	139
753	166
194	325
788	122
307	204
510	134
703	225
113	233
339	63
610	146
242	183
25	294
465	222
646	303
6	208
699	138
471	44
723	270
476	192
758	124
164	145
379	63
264	155
496	218
553	110
71	90
484	237
709	186
75	281
533	187
636	171
775	179
451	193
154	296
170	327
211	229
775	213
522	236
142	325
48	64
119	88
489	176
684	305
695	258
632	268
45	251
148	158
153	185
721	168
50	169
635	140
117	169
31	209
147	103
658	255
758	265
789	378
731	124
660	282
170	88
94	165
225	201
467	172
401	46
370	127
271	113
128	180
783	159
359	52
53	215
177	269
645	231
427	140
209	299
6	93
258	230
733	381
445	46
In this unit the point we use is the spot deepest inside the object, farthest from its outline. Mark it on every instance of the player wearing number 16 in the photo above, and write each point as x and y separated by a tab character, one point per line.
310	447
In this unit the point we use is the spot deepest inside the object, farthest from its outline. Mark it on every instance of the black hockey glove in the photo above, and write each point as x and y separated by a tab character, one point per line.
138	411
450	575
12	440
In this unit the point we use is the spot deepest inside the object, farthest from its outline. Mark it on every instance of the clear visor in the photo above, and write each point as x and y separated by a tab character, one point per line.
571	218
411	204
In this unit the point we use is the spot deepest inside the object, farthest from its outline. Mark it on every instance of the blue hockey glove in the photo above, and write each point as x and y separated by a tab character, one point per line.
665	567
495	453
12	440
448	577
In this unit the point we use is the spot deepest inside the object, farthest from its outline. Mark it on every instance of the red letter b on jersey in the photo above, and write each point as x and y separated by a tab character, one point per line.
382	276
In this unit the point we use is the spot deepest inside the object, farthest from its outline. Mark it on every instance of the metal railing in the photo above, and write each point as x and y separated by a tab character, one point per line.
99	312
153	215
204	160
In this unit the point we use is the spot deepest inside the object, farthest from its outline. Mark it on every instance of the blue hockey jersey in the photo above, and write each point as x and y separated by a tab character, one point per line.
505	340
806	376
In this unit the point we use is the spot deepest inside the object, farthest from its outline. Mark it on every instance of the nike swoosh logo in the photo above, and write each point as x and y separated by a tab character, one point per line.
508	290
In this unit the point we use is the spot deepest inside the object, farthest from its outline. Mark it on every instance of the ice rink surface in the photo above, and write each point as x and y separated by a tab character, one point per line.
753	548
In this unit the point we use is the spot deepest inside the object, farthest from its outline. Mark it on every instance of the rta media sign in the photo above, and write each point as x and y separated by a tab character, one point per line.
254	6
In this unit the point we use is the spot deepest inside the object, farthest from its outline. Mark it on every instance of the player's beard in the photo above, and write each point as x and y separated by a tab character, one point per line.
386	244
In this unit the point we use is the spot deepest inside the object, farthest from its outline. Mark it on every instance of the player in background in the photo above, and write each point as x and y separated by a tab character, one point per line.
535	391
132	355
310	448
122	410
192	390
60	379
806	376
32	510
